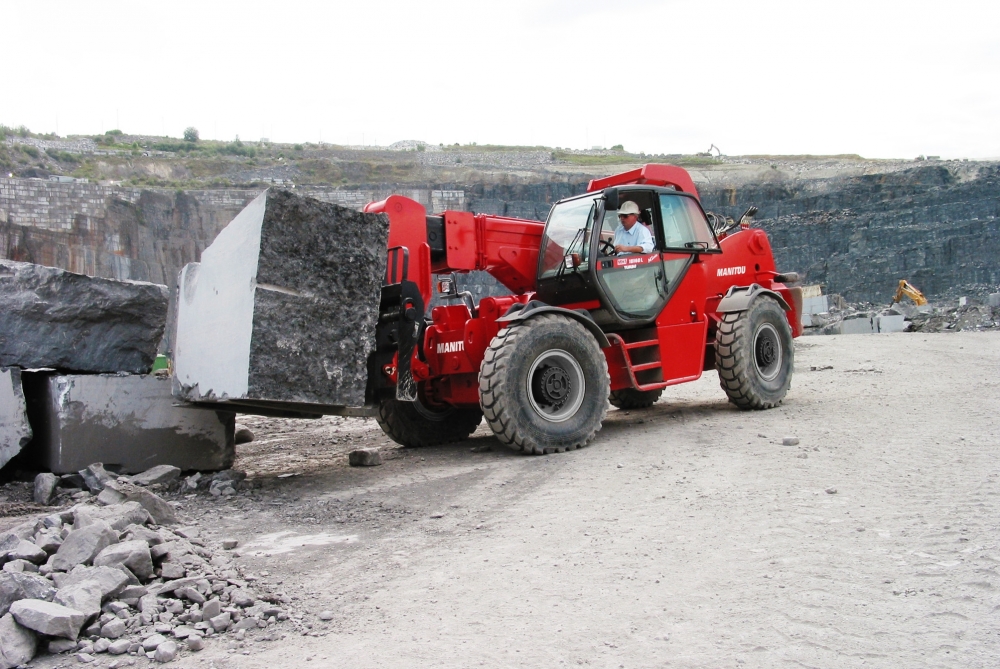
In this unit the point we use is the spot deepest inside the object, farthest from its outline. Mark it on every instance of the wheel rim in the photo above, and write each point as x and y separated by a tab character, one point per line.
556	385
767	352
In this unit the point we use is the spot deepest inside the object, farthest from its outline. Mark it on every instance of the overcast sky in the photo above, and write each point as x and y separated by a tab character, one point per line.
880	78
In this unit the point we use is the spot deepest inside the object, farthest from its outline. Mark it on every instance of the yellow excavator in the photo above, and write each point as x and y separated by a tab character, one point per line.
907	289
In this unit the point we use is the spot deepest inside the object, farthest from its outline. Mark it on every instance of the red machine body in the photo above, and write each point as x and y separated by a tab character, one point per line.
675	347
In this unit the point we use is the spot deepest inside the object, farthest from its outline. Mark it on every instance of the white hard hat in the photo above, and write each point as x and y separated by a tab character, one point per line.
628	207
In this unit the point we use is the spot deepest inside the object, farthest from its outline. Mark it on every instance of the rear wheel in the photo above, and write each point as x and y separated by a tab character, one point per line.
630	398
413	424
754	355
543	385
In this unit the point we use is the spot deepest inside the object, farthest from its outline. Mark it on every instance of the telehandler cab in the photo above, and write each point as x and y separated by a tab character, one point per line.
584	325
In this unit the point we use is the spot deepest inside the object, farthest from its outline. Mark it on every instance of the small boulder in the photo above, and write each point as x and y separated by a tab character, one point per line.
94	477
119	647
113	629
211	609
17	644
133	554
84	596
48	618
195	642
110	496
166	652
112	581
62	646
790	441
244	435
241	598
118	516
45	488
15	586
26	550
365	457
82	546
151	642
221	622
157	474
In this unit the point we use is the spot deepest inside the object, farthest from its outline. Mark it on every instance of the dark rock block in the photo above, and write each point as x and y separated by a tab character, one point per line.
71	322
283	306
15	431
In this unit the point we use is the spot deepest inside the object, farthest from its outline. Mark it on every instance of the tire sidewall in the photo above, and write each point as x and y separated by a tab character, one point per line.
537	338
762	312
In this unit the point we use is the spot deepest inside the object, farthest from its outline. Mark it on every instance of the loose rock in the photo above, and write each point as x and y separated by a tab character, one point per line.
195	642
365	457
17	586
119	647
157	474
48	618
790	441
244	435
17	644
45	488
114	629
113	581
166	652
133	554
29	552
84	597
82	546
94	476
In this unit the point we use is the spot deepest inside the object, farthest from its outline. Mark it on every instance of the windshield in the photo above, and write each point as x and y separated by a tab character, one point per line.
567	231
684	224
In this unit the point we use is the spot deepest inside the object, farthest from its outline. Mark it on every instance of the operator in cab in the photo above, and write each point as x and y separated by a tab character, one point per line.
631	236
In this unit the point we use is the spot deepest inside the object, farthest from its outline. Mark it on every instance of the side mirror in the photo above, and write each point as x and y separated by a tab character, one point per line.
610	199
571	260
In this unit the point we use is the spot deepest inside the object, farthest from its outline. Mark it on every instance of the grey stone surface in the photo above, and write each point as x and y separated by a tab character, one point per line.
132	554
158	509
283	305
211	609
61	645
118	516
71	322
85	597
119	647
113	629
856	326
195	642
95	476
48	618
81	546
17	644
166	651
364	457
993	300
15	431
15	586
886	323
113	581
129	422
157	474
45	488
27	550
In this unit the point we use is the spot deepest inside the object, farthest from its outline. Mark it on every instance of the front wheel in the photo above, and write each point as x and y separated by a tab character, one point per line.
543	385
754	355
413	424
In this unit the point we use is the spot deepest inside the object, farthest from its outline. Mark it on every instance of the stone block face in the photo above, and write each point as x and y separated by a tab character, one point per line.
891	323
17	644
132	554
111	581
15	586
126	422
76	323
15	431
85	597
857	326
283	306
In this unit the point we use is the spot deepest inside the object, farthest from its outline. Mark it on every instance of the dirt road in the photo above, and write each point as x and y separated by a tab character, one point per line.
687	535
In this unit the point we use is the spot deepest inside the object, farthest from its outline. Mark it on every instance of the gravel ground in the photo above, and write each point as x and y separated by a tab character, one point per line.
686	535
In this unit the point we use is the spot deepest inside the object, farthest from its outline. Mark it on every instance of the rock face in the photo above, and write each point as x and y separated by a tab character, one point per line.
81	546
17	644
15	431
54	318
133	554
125	421
15	586
937	226
283	306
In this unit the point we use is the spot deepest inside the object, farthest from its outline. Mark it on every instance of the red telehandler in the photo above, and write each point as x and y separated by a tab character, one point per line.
584	324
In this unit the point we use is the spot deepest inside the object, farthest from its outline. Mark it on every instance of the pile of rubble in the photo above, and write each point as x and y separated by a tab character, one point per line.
116	574
865	317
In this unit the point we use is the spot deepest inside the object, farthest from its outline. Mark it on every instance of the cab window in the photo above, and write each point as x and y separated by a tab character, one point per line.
684	224
567	231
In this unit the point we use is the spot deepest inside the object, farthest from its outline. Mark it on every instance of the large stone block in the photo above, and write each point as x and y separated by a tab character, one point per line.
15	431
283	306
130	423
76	323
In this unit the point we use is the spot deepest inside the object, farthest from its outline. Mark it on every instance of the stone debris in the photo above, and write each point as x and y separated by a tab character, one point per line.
45	488
115	326
17	643
243	435
48	617
364	457
157	474
790	441
112	580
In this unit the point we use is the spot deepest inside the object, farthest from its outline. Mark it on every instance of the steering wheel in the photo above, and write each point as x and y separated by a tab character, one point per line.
607	248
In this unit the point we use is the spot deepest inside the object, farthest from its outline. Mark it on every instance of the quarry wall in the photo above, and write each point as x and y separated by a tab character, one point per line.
936	225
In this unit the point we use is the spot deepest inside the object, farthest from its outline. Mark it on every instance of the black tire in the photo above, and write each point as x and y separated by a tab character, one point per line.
754	355
543	385
412	424
630	398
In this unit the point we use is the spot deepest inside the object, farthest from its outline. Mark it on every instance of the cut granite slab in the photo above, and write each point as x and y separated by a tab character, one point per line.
15	430
76	323
282	307
128	422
